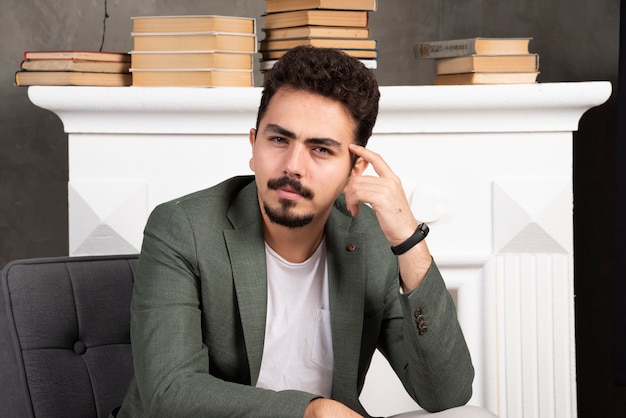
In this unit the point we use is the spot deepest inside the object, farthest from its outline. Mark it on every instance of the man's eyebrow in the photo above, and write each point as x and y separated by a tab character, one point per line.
328	142
277	129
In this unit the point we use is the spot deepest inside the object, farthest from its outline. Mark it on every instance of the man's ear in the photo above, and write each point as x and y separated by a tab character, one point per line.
252	138
359	166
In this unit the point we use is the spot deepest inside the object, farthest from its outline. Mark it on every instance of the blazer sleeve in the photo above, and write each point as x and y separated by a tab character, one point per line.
434	366
170	356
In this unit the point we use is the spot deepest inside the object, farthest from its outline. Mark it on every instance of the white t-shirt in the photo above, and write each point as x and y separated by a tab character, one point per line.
298	352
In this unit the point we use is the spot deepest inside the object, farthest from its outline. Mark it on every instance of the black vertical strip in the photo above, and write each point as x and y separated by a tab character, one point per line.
104	24
620	213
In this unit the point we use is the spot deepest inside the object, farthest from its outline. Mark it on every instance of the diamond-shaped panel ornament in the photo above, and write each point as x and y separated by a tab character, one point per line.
107	217
530	216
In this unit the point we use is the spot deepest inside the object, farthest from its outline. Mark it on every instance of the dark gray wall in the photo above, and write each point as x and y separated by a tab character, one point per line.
577	40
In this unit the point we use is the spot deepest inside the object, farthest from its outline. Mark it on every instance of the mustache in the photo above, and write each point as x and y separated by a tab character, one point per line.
294	184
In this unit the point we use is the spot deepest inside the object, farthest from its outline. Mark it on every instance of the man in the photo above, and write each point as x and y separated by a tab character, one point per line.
266	295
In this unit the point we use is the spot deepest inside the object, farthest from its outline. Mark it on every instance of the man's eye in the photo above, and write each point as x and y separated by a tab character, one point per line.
278	139
322	150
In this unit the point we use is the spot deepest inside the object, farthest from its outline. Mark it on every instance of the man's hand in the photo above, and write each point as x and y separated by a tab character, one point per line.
385	194
328	408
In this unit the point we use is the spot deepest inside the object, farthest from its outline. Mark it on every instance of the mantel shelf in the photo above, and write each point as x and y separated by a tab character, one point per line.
546	107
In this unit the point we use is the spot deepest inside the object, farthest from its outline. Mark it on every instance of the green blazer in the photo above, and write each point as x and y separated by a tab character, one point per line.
199	308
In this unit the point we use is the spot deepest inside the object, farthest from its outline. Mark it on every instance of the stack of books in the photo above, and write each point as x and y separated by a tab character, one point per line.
481	61
339	24
74	68
193	51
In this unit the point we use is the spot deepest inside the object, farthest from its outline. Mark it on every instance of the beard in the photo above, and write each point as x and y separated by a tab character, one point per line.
283	215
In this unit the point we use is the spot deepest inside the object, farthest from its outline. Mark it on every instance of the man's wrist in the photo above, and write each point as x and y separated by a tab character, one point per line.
420	233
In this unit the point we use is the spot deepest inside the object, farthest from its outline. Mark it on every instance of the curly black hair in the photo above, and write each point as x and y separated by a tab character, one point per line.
332	74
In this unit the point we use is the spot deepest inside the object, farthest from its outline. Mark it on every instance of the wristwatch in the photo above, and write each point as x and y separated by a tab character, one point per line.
420	233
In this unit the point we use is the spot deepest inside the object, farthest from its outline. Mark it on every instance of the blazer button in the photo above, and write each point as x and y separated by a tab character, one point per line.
350	247
420	321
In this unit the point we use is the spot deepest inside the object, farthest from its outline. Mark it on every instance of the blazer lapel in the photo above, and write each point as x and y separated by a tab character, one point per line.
246	250
346	271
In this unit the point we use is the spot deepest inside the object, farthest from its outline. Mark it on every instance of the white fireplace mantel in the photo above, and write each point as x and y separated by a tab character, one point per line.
426	109
489	167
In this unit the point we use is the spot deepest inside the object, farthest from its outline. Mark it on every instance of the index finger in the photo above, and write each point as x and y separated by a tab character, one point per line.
378	163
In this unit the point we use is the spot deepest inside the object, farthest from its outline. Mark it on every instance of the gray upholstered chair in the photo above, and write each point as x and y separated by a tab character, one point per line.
64	336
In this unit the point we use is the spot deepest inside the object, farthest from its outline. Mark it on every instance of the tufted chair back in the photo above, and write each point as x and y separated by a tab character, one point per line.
65	336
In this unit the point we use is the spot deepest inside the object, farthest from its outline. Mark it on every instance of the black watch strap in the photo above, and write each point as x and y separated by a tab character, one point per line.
419	234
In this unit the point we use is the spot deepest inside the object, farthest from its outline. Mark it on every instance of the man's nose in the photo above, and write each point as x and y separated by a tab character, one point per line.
295	163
